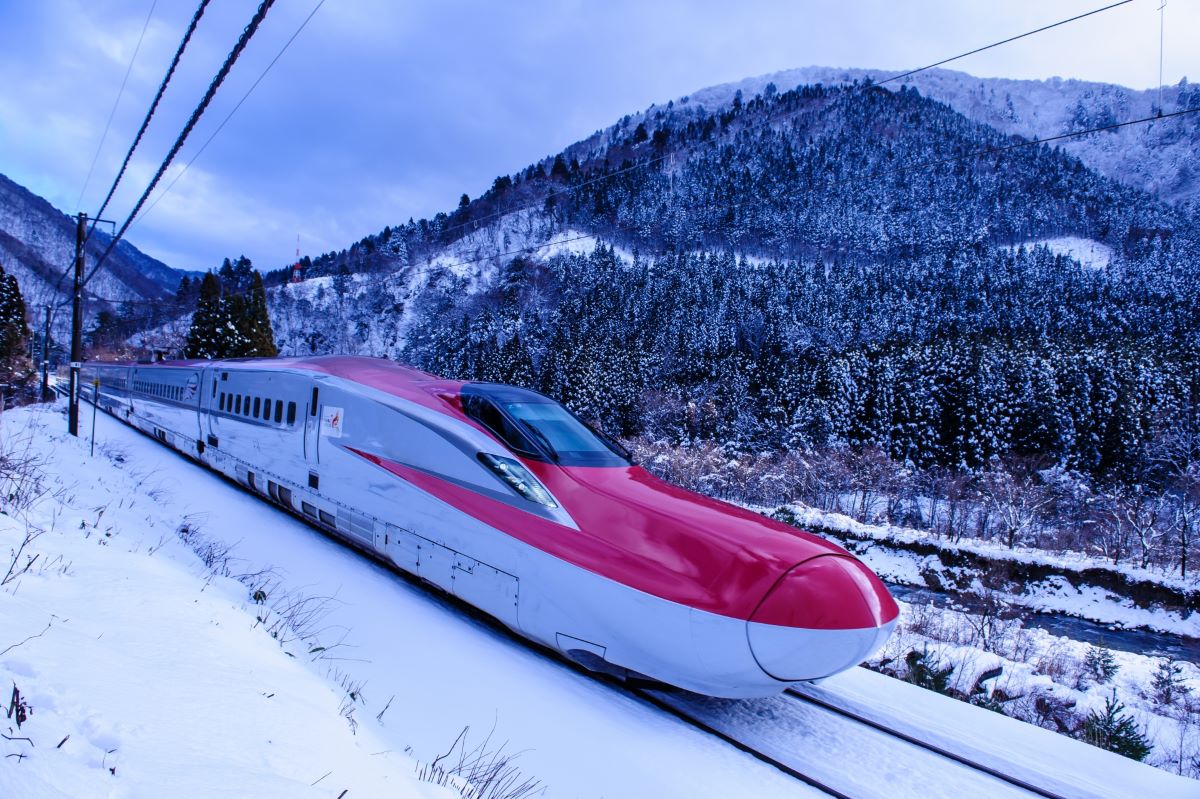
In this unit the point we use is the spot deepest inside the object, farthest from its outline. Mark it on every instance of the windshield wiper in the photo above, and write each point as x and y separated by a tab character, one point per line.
541	439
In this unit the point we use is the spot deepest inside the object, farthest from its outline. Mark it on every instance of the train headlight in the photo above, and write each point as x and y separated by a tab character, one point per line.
519	478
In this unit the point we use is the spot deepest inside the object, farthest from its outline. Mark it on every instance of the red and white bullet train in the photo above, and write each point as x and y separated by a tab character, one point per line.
503	498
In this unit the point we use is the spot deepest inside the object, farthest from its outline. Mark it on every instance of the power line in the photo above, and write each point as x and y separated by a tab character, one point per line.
474	223
1162	16
997	44
651	162
162	87
228	116
247	34
529	249
113	112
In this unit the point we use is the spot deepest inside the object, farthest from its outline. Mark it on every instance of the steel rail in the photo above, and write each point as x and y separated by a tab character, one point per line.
926	745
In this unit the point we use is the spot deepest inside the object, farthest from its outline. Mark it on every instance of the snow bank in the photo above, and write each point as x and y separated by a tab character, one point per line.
144	675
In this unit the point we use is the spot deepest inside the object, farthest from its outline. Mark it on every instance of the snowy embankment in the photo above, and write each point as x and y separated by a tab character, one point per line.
1068	583
985	655
140	670
167	682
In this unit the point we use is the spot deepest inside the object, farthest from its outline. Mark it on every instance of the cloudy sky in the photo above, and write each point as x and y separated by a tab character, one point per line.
383	110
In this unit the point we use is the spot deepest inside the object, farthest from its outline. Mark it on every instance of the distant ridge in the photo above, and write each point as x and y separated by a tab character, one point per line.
37	244
1161	159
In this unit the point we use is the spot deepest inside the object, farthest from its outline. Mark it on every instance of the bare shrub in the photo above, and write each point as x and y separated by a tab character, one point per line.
480	771
21	560
21	473
215	555
1045	709
1058	663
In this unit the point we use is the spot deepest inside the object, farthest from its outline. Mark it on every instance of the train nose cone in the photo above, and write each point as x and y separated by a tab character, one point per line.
825	615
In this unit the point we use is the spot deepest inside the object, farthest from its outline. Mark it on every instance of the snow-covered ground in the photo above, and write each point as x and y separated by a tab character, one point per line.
1090	254
149	655
158	667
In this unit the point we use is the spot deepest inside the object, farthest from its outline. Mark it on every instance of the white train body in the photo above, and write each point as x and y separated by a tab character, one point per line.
592	557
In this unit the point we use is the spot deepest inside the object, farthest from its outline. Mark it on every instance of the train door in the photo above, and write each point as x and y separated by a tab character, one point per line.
209	406
312	428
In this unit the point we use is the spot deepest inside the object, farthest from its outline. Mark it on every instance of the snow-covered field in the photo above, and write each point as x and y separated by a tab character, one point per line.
162	677
160	670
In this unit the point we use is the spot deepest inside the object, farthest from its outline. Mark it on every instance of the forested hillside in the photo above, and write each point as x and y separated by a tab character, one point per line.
893	295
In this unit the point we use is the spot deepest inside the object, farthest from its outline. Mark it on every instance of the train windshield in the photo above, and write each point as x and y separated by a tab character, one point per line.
539	427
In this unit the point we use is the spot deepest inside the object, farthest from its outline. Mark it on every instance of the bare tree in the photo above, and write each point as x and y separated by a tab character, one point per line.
1016	497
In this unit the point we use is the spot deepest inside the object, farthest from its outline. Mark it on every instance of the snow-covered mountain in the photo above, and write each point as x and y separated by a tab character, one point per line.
37	244
1160	158
802	256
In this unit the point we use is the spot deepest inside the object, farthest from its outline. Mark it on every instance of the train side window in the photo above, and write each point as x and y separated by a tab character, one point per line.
273	489
250	480
266	410
291	413
246	404
214	388
285	496
312	409
221	401
278	411
327	518
257	407
237	404
308	509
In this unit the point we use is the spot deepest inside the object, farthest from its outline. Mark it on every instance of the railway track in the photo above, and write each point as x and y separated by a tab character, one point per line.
845	754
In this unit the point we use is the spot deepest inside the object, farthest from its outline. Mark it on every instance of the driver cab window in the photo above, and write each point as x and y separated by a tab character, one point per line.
487	414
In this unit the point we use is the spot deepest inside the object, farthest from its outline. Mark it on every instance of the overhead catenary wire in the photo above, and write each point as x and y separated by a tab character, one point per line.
111	114
475	222
228	116
104	136
162	88
1001	42
232	58
981	153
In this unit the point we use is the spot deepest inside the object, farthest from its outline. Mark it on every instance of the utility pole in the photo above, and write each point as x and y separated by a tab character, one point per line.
77	326
46	357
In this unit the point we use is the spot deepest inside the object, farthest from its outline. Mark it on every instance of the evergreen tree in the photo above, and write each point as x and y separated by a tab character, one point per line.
229	322
256	323
206	338
14	330
1115	730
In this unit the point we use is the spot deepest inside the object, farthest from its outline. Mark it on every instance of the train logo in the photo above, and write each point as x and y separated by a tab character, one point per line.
331	422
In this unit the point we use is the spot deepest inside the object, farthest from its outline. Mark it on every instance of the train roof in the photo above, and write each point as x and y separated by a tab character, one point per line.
382	374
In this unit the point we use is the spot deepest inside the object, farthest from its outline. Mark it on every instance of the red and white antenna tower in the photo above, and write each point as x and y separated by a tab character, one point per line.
297	270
